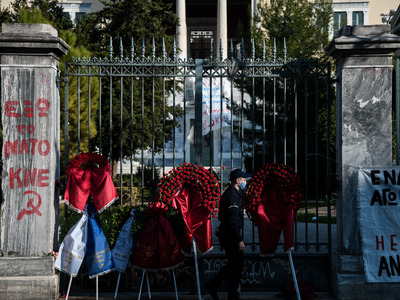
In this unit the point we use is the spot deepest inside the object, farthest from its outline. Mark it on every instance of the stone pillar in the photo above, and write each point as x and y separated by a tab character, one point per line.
30	122
181	29
222	29
363	138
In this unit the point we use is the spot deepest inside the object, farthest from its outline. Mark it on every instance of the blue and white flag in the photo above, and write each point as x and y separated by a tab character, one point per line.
98	255
124	245
73	248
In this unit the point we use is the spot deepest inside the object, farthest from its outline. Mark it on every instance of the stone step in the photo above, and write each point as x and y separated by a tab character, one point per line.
26	266
29	287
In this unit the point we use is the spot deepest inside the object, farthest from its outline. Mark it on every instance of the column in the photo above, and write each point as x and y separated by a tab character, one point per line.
222	29
181	29
363	138
30	119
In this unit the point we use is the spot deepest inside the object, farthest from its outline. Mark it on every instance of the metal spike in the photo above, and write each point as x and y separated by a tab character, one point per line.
221	54
232	50
242	49
263	53
121	49
132	49
174	50
153	49
111	48
284	49
143	48
211	49
164	51
253	50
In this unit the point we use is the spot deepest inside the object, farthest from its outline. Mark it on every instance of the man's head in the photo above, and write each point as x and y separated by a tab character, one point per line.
238	178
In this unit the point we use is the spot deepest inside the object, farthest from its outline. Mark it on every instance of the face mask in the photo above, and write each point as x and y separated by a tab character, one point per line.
242	185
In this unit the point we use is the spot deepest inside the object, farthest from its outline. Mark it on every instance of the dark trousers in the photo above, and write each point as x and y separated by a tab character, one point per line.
232	271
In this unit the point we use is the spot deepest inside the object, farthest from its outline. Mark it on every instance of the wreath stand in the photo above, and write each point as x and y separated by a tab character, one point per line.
145	274
296	286
275	187
174	188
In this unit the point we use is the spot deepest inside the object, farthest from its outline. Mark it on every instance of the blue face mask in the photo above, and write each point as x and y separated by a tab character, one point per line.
242	185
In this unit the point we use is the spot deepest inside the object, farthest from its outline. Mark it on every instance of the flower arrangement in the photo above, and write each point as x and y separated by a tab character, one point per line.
86	159
269	174
198	177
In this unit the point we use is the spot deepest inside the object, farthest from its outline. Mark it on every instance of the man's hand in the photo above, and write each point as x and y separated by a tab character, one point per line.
242	246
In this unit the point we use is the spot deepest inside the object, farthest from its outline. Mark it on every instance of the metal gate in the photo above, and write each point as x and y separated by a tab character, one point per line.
151	112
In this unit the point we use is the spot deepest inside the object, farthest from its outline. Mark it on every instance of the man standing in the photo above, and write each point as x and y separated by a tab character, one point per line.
230	235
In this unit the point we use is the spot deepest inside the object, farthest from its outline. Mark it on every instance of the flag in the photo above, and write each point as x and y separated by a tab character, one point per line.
98	256
73	248
123	247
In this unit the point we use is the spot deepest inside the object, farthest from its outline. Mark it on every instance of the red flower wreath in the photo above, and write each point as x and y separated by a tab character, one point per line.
84	159
198	177
273	173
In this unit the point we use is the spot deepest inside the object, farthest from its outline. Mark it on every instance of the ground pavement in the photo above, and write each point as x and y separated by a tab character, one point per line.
183	296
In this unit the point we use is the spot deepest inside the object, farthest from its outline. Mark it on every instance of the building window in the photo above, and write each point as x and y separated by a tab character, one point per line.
339	20
358	18
200	43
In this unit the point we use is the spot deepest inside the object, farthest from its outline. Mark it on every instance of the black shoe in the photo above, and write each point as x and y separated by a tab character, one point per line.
212	290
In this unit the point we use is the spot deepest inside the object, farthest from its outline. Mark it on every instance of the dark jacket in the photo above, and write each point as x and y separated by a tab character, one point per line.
231	215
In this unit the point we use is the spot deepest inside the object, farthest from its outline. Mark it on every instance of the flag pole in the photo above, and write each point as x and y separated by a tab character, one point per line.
176	289
197	268
97	287
69	287
294	275
116	289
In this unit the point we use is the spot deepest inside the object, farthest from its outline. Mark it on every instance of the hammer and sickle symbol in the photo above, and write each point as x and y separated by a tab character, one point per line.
33	208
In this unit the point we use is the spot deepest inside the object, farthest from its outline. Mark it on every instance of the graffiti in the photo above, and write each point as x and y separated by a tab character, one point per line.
31	207
254	272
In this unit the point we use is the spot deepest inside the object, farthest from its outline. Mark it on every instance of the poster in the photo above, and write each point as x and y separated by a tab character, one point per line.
214	93
379	211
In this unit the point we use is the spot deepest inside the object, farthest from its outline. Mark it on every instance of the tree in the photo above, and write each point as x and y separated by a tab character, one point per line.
303	24
48	12
140	20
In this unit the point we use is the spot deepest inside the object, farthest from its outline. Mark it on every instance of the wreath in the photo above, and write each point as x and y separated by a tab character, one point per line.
272	174
203	180
86	159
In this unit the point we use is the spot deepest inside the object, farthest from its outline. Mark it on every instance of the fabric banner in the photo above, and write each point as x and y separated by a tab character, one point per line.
219	91
379	211
93	181
158	247
123	247
99	259
73	248
188	202
274	216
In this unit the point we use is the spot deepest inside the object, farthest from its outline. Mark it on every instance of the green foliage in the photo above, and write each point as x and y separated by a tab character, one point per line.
41	11
304	24
78	89
127	19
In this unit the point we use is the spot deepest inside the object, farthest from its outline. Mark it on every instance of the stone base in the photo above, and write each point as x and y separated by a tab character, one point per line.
26	278
349	282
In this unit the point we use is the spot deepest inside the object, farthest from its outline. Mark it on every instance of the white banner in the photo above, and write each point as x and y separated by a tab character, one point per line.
215	93
378	202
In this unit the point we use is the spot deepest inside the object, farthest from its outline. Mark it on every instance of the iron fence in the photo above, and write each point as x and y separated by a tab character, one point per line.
150	112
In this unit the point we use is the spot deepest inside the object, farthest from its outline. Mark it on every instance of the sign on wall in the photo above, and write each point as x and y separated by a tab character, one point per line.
379	205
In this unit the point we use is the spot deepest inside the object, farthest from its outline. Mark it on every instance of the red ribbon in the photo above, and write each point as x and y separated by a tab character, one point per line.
274	215
90	180
188	202
157	247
